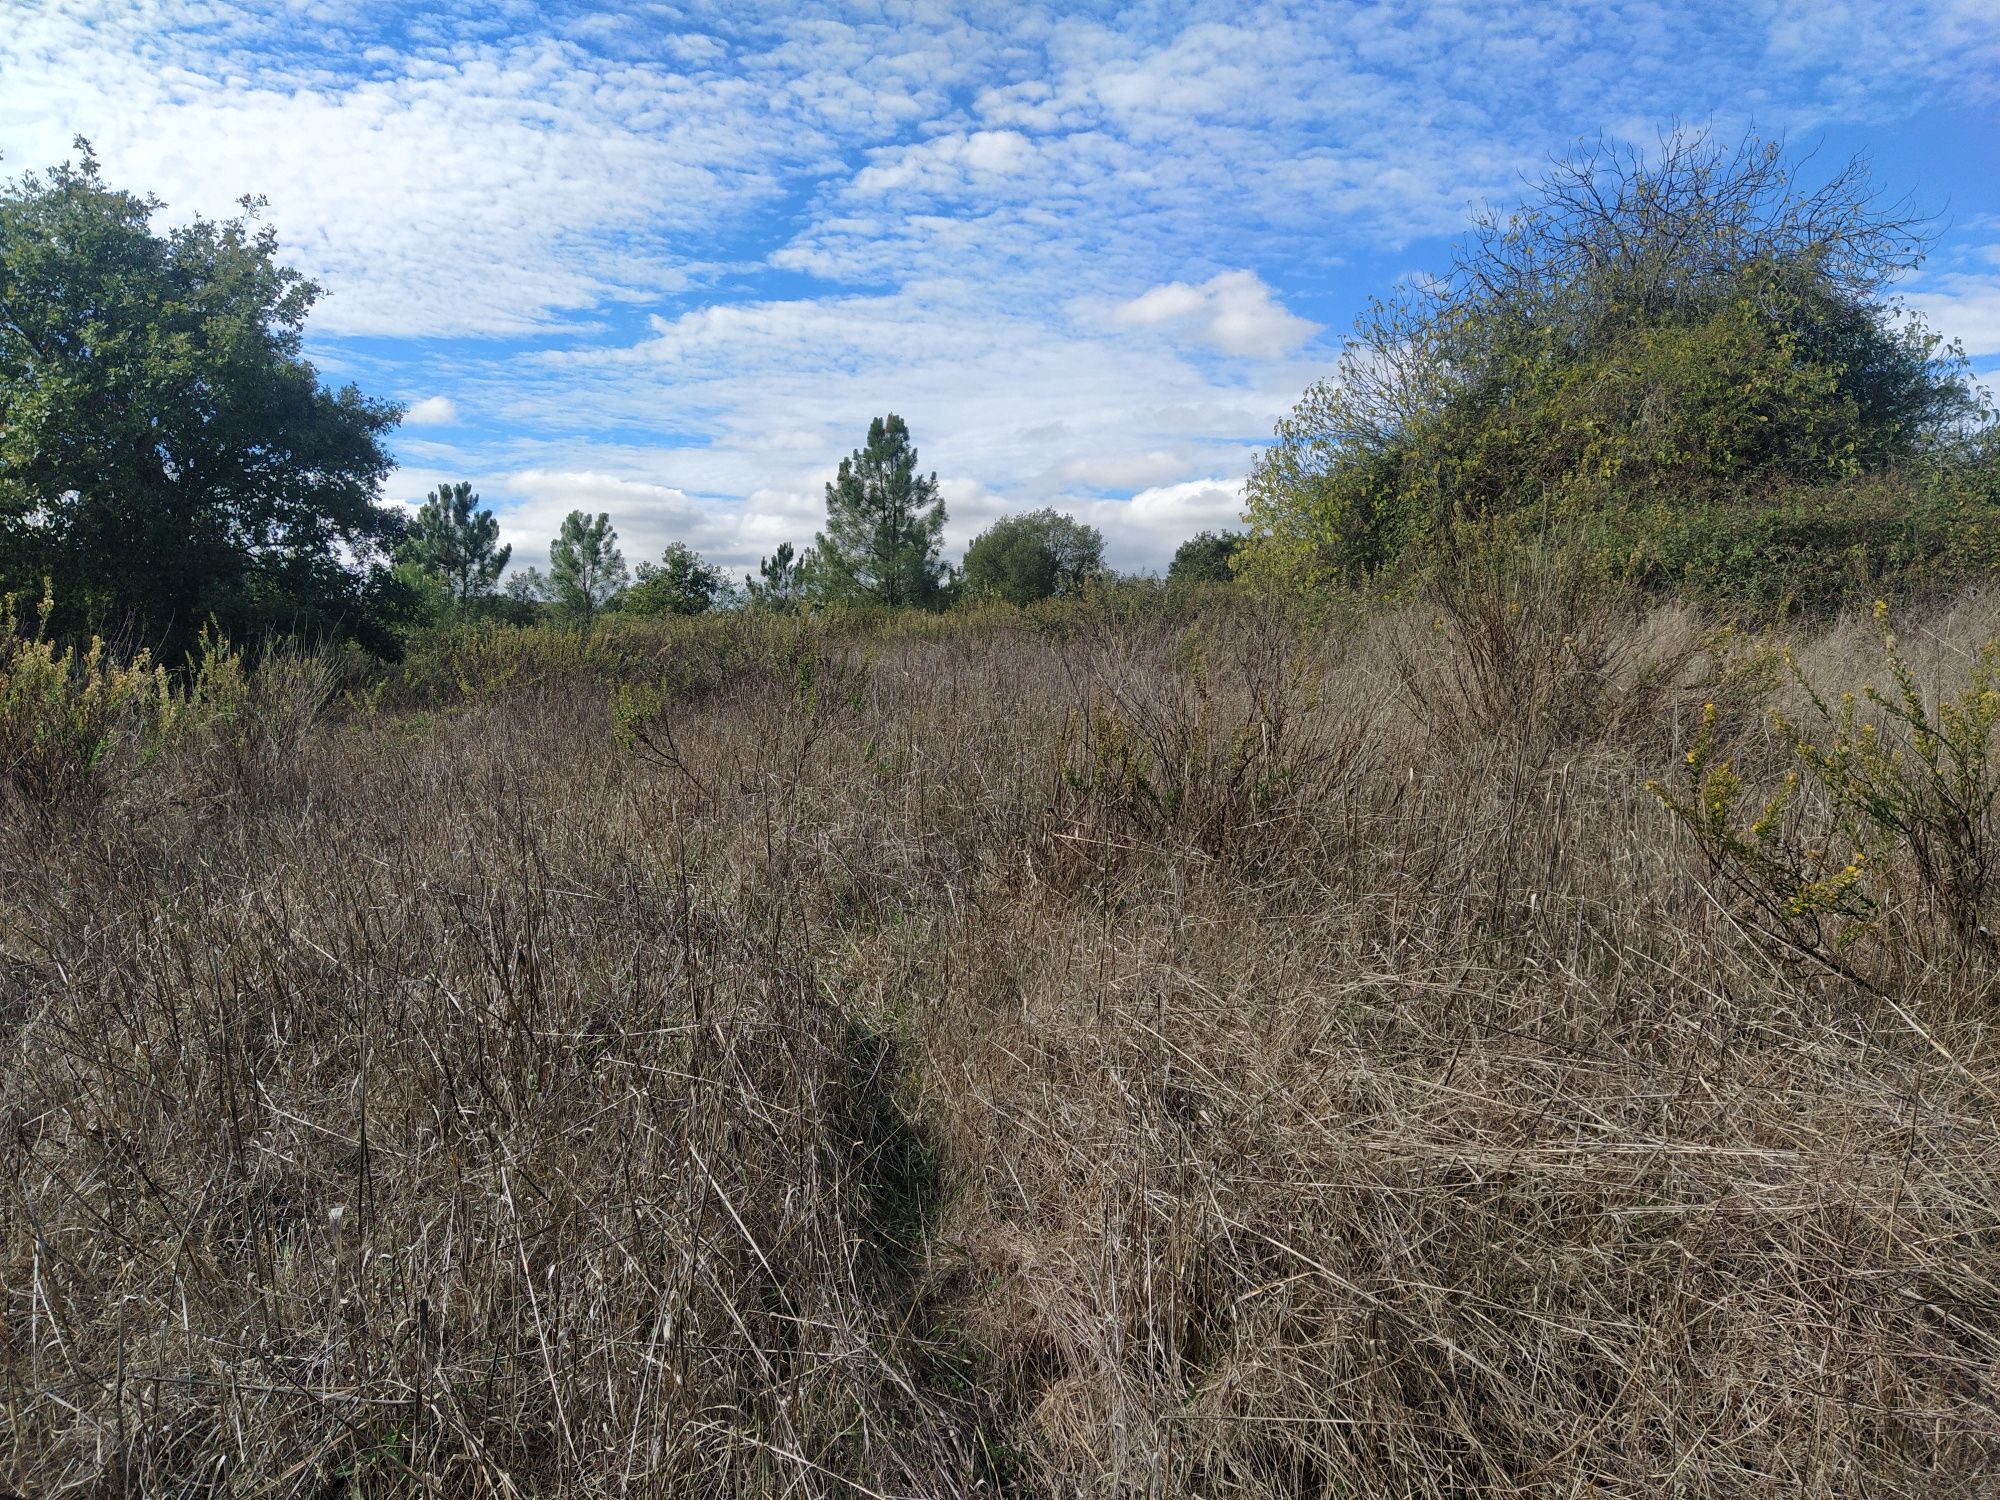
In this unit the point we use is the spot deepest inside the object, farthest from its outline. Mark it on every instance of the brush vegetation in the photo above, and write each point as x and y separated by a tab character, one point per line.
1148	1044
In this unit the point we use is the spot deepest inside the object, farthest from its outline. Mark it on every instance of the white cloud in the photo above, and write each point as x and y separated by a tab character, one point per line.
432	411
676	265
1233	311
1962	306
647	516
958	160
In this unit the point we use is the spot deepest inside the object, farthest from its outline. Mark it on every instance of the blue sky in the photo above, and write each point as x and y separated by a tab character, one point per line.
668	260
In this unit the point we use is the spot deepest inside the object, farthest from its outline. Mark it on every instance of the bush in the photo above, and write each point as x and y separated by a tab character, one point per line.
66	714
1650	336
1535	645
1898	535
1888	813
250	727
1204	736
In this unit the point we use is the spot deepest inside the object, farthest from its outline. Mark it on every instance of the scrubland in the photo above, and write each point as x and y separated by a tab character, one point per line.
1157	1046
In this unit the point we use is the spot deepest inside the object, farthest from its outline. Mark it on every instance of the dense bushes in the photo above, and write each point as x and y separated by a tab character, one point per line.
1691	355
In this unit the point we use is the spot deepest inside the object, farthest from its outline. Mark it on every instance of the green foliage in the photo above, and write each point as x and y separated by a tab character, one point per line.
679	584
64	711
1644	337
784	579
1206	557
1038	555
167	456
1905	789
1915	532
884	526
529	589
586	569
427	598
457	543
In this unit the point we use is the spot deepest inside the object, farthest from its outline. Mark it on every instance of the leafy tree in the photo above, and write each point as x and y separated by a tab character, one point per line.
1645	337
458	544
784	579
1037	555
586	569
529	586
1205	557
679	584
167	456
884	525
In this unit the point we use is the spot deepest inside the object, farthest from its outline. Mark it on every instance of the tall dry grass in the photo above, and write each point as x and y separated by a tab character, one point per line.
1120	1052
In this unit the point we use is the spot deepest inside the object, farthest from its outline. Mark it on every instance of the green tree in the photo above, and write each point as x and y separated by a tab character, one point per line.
679	584
586	569
884	525
1036	555
457	543
784	579
1205	557
1649	335
529	589
167	456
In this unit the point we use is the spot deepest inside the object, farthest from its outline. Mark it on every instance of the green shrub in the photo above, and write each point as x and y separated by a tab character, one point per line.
65	712
1903	792
1898	535
1657	344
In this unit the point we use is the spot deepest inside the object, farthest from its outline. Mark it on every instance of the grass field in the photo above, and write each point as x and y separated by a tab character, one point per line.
1134	1049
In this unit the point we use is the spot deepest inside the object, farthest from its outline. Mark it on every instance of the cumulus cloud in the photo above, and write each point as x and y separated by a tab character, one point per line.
432	411
1962	306
1233	311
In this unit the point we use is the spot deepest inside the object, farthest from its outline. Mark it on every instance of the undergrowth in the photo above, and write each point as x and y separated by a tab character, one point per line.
1135	1048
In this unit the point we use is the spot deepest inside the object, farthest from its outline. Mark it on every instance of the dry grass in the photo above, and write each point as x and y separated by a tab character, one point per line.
1117	1055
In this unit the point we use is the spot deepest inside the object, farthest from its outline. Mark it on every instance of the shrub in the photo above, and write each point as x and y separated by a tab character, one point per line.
250	726
64	712
1650	332
1902	793
1900	534
1217	751
1535	644
796	669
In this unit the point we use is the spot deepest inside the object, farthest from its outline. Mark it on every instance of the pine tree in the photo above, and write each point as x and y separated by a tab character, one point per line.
586	569
884	525
458	543
782	578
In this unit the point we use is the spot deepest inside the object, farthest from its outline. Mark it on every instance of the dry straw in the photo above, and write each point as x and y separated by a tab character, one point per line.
1118	1053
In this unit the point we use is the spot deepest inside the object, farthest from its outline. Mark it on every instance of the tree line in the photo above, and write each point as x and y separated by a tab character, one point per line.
171	462
882	545
1689	365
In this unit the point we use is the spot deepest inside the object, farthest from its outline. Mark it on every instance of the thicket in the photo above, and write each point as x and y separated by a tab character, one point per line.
1144	1044
1689	362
